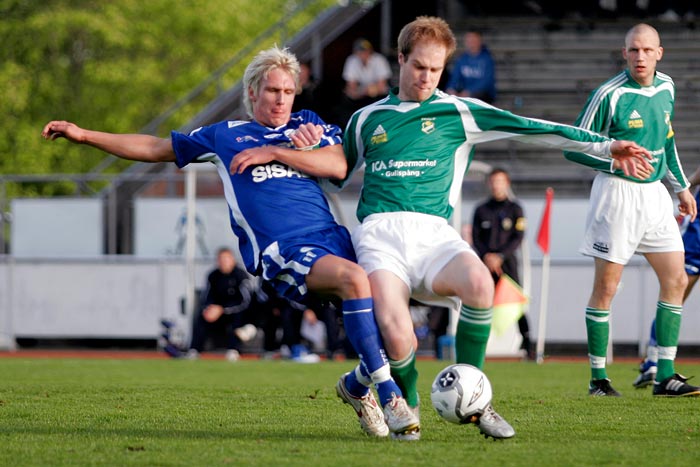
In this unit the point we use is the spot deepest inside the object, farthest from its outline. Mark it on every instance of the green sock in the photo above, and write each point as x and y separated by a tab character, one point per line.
406	376
598	330
668	326
473	331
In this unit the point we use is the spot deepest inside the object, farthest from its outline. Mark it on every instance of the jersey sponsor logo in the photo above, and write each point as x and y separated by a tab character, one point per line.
278	135
262	173
379	135
394	168
246	138
427	125
601	246
635	120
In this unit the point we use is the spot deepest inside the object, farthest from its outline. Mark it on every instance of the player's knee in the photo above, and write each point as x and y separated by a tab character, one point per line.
477	290
354	282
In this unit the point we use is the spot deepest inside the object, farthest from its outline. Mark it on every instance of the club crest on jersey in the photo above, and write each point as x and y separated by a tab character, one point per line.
635	120
379	135
427	125
667	120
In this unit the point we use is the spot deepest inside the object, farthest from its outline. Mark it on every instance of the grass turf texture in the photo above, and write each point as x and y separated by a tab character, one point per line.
171	413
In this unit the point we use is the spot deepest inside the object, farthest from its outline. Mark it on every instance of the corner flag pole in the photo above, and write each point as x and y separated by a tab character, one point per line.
543	243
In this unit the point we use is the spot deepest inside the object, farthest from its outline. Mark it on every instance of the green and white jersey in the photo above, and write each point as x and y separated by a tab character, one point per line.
622	109
416	154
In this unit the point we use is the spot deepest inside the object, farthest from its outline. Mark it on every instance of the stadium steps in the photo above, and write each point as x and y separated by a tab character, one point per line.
549	75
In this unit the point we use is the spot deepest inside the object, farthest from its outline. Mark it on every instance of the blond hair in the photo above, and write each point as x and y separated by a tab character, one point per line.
261	65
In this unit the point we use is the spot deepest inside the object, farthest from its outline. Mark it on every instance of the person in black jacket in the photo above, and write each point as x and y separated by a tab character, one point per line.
498	230
226	303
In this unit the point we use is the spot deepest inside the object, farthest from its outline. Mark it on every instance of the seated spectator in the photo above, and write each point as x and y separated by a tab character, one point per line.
366	74
225	304
474	73
275	313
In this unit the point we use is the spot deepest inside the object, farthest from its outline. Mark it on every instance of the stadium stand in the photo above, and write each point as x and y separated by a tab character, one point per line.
549	74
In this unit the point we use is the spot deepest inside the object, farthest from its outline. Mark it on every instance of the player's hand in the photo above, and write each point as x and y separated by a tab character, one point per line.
632	159
633	167
307	136
212	312
251	156
687	205
63	129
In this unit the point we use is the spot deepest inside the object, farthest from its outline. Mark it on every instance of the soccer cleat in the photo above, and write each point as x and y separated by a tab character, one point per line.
368	411
675	386
602	387
307	358
647	373
491	424
300	354
401	420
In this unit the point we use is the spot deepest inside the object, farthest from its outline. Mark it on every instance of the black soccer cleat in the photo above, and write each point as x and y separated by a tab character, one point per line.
602	387
675	386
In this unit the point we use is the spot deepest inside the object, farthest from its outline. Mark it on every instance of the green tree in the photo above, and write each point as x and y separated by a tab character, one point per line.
113	66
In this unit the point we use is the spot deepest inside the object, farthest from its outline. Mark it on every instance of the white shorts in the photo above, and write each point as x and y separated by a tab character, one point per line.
625	218
413	246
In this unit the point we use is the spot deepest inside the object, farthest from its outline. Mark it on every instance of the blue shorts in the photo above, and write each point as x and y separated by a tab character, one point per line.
691	242
286	263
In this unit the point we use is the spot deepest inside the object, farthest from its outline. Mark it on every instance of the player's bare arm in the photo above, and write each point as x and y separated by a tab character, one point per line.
694	178
325	162
687	205
135	147
631	158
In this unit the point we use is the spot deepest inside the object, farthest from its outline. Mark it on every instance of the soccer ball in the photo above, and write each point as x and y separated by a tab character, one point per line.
461	393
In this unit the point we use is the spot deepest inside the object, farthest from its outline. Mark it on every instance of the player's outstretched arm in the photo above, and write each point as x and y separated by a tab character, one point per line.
135	147
632	159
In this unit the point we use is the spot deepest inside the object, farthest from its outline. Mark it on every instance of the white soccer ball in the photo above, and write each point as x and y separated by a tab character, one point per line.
460	392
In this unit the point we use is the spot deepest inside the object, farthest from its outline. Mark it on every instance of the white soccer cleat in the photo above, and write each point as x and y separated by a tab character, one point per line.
492	424
368	411
402	421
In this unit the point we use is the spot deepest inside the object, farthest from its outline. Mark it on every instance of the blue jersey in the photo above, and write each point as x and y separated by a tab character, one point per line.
267	203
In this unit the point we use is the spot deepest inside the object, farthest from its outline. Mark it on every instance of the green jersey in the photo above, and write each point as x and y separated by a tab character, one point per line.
622	109
416	153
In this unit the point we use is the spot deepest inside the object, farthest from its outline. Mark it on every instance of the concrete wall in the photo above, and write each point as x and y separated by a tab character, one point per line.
105	297
127	298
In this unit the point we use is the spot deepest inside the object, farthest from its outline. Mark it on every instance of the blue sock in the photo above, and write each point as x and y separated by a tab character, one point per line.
355	387
362	331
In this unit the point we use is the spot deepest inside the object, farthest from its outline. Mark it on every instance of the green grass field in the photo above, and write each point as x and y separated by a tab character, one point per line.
277	413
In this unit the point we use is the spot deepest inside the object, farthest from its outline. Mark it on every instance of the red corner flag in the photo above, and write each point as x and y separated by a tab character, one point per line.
543	234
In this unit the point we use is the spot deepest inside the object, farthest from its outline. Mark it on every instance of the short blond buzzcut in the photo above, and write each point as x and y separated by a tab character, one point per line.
261	65
427	28
641	28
